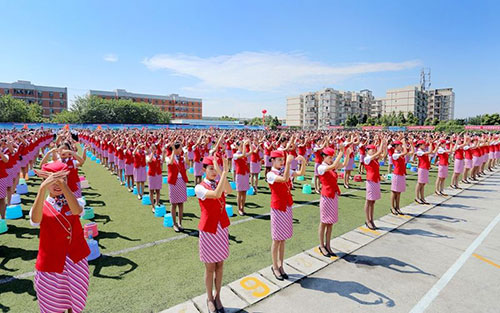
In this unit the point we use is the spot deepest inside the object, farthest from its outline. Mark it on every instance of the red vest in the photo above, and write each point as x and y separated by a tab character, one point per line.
372	171
424	162
443	159
468	154
399	165
56	242
213	212
281	197
154	166
329	186
241	166
173	170
459	154
140	159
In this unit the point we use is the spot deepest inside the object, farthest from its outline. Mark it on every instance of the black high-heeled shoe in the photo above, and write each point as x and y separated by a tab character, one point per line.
278	277
283	274
369	227
394	211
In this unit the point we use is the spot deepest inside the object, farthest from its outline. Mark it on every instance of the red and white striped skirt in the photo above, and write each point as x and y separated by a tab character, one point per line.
372	190
468	163
458	167
267	161
3	187
254	167
229	153
177	193
423	176
214	247
58	292
242	182
398	183
281	224
198	168
329	210
129	169
154	182
443	171
140	174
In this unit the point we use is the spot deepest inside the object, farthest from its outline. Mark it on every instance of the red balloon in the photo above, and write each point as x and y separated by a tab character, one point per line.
264	111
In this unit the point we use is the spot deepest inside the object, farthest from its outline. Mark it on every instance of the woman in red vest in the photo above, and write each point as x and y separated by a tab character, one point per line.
154	160
373	179
476	156
177	180
458	163
255	166
62	272
398	180
279	179
241	174
129	166
330	192
139	169
197	160
318	159
443	163
424	165
468	160
4	159
120	156
213	228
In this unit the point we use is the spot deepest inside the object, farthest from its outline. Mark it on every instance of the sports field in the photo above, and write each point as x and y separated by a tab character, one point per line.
148	268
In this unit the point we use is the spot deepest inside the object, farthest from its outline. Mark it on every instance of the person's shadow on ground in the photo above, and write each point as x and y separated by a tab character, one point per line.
347	289
385	261
112	262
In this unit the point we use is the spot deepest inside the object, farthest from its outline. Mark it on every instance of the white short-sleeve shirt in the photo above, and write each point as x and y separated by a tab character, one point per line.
420	152
396	156
322	168
367	159
271	175
201	191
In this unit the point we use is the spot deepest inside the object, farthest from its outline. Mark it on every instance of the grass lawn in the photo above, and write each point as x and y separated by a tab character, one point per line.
159	276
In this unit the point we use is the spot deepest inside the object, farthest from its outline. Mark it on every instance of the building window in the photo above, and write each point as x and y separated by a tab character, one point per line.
51	94
7	91
51	103
61	95
40	94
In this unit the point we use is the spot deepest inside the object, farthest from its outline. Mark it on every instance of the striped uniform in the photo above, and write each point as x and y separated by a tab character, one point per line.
398	183
242	182
129	169
281	224
254	167
214	247
155	182
350	165
78	191
443	171
198	168
458	167
177	193
423	176
3	187
372	190
140	174
57	292
329	209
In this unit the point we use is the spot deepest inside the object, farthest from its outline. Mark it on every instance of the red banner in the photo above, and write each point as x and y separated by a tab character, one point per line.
335	127
372	127
420	127
482	127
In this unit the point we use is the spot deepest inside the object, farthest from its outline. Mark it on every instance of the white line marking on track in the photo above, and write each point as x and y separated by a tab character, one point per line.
427	299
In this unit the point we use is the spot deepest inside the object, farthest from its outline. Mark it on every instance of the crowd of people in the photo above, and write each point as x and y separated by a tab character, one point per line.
214	156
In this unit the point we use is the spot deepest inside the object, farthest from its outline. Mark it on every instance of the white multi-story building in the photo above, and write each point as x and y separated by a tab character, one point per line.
327	107
408	99
378	108
441	104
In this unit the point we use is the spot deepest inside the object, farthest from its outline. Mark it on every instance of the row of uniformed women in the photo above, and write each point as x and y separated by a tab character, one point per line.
18	152
58	211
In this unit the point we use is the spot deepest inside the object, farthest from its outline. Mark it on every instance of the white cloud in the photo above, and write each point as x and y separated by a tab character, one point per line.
110	57
265	71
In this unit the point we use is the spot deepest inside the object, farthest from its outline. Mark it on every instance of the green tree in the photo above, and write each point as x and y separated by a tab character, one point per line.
411	119
66	117
16	110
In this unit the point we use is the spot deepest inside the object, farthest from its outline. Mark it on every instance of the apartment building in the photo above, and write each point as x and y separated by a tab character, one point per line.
408	99
327	107
52	99
179	107
441	104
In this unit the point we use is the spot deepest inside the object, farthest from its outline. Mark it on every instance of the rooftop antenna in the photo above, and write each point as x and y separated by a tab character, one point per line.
425	78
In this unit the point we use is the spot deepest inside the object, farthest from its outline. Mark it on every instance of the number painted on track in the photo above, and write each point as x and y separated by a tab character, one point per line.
259	287
304	262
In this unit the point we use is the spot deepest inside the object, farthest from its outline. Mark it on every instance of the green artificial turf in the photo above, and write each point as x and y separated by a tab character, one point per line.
159	276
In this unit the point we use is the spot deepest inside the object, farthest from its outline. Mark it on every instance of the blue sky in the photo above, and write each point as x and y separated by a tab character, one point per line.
244	56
